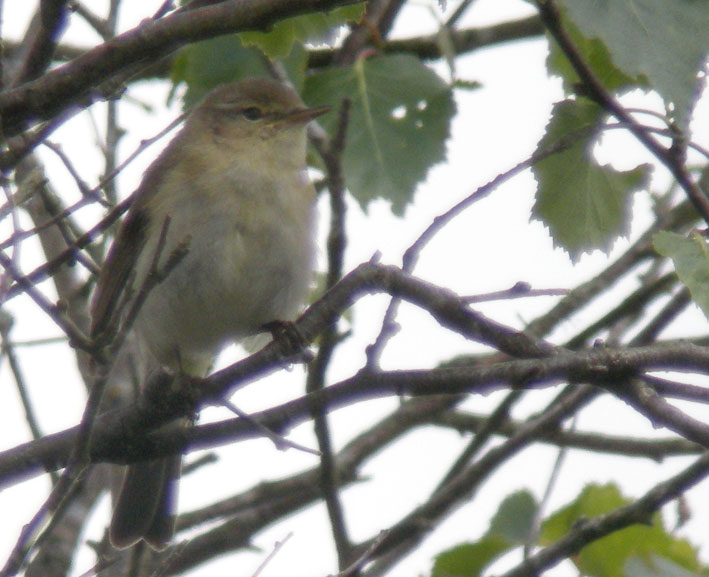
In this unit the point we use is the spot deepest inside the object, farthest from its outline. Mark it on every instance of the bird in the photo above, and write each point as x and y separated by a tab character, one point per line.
231	193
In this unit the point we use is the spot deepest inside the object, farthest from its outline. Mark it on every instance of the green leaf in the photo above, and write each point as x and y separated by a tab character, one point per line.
608	556
399	121
665	42
586	206
594	500
509	528
204	65
596	55
515	517
278	42
469	559
655	566
690	257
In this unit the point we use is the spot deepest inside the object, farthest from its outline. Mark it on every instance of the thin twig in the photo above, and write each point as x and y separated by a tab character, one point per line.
96	22
76	336
655	449
365	557
496	419
518	291
536	525
84	188
281	443
92	197
30	536
19	146
458	12
336	243
276	548
409	531
8	351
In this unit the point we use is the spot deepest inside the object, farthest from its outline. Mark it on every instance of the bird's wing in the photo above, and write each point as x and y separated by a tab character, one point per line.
115	275
117	269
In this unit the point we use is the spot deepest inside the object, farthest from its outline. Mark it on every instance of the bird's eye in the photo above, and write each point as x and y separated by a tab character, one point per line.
252	113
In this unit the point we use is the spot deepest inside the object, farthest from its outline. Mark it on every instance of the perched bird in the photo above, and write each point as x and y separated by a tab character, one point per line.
232	189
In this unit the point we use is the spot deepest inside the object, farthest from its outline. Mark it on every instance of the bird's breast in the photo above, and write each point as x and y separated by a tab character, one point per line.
248	261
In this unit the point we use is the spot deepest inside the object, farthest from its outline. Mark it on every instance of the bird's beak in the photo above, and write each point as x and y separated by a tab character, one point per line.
305	114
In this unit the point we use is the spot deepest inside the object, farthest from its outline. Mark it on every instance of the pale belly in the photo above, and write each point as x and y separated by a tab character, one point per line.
231	282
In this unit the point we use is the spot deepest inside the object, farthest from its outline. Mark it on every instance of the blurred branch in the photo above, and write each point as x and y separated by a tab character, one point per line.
632	305
461	9
253	510
54	264
331	151
19	146
652	405
679	218
370	31
81	184
58	549
43	205
408	532
678	303
123	436
655	449
8	351
37	48
102	26
426	47
492	423
113	132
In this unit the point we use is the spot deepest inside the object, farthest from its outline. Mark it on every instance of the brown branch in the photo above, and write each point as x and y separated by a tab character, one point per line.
492	423
542	325
649	403
40	41
369	31
111	442
70	84
331	153
426	47
254	509
632	305
655	449
410	530
464	41
680	218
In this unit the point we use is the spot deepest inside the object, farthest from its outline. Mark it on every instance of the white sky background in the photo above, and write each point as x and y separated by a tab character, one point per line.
489	248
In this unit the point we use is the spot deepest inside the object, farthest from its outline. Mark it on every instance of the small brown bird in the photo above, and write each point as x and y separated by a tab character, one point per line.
233	188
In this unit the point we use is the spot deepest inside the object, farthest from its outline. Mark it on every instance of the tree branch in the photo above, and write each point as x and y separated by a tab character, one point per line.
74	82
110	441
